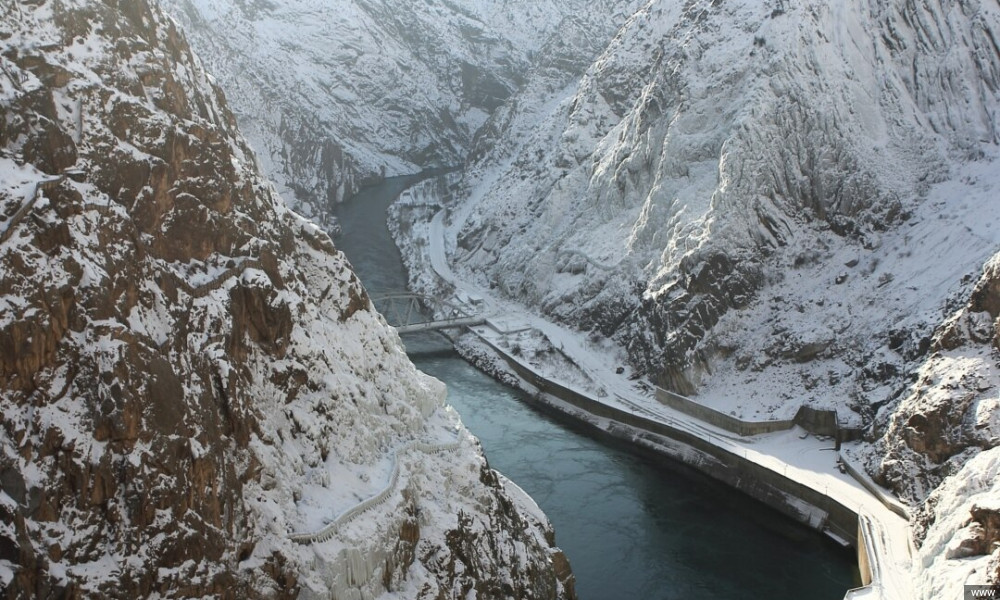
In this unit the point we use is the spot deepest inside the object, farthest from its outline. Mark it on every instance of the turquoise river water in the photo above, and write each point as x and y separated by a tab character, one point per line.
633	526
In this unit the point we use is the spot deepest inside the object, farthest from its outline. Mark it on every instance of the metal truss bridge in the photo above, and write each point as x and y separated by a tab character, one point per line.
413	313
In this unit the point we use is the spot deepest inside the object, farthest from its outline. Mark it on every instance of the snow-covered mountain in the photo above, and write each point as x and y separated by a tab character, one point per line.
197	397
333	94
769	204
719	165
761	202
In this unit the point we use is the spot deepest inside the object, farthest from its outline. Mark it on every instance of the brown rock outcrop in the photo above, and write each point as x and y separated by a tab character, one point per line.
112	429
947	417
178	361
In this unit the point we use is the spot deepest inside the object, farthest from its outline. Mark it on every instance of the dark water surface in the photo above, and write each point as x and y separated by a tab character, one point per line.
633	527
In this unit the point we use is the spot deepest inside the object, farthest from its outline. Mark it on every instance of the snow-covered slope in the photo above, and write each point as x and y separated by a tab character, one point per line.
715	152
191	375
335	93
764	203
770	204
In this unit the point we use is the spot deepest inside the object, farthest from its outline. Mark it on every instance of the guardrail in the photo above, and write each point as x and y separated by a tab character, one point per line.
440	324
347	516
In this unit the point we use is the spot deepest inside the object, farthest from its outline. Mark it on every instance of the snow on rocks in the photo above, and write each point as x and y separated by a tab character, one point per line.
785	223
766	204
961	542
334	94
735	159
190	372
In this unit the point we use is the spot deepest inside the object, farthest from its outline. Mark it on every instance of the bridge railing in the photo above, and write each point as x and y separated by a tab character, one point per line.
411	313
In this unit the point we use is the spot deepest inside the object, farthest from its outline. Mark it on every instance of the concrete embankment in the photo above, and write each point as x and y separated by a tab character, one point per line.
711	455
788	496
818	421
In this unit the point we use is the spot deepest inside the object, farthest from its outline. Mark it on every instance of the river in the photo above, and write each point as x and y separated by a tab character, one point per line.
633	526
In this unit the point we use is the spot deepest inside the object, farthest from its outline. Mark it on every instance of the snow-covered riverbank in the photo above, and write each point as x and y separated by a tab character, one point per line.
597	371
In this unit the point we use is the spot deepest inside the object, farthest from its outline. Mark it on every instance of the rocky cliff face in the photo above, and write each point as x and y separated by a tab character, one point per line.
336	94
711	154
765	203
190	372
941	447
951	412
768	204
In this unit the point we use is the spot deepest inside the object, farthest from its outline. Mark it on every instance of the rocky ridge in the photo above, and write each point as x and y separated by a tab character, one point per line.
941	446
333	96
190	372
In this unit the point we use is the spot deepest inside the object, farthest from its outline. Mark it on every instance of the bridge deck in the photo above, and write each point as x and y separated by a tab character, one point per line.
442	324
409	313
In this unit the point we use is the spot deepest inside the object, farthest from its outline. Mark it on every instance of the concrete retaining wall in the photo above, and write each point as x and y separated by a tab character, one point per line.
814	420
864	552
859	475
818	421
720	419
788	496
